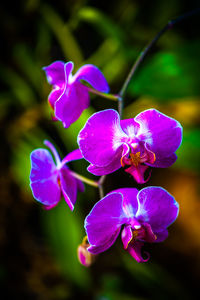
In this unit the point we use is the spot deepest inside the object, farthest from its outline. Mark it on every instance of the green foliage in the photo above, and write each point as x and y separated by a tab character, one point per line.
65	234
189	150
169	75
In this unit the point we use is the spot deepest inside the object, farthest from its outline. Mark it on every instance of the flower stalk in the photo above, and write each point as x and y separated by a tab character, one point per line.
84	179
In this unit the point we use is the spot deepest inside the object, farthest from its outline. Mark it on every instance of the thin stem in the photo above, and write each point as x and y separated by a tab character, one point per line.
104	95
84	179
140	58
100	186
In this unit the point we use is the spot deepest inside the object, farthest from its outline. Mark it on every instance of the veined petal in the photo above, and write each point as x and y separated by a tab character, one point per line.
130	127
55	95
162	133
126	236
46	191
138	173
68	186
42	165
106	244
74	155
134	250
44	178
99	171
157	208
103	223
163	162
114	165
71	103
93	76
130	202
101	137
55	73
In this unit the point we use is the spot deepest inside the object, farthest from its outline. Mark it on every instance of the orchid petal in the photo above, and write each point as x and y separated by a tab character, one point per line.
130	202
93	76
104	221
130	127
134	250
68	187
55	73
71	104
157	208
55	95
101	138
44	178
74	155
42	165
99	171
106	245
162	133
163	162
126	236
138	173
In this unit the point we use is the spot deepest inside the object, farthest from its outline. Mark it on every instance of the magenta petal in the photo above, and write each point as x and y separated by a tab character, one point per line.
106	244
71	104
103	223
149	235
74	155
130	202
162	133
54	95
163	162
48	207
55	73
130	127
126	236
101	137
93	76
42	165
114	165
99	171
47	191
138	173
134	250
68	187
157	208
44	178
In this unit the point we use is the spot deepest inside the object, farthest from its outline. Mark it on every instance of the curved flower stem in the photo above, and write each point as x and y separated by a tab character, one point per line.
84	179
112	97
100	186
141	56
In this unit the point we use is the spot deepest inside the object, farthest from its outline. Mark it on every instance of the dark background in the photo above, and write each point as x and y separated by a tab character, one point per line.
38	248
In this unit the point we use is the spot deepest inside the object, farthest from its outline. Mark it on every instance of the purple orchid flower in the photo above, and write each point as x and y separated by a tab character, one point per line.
69	97
50	180
150	139
142	215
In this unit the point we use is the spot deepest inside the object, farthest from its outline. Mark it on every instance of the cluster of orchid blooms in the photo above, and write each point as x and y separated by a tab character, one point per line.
108	144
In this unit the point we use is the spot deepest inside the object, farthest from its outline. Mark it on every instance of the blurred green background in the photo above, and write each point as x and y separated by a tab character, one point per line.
38	248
